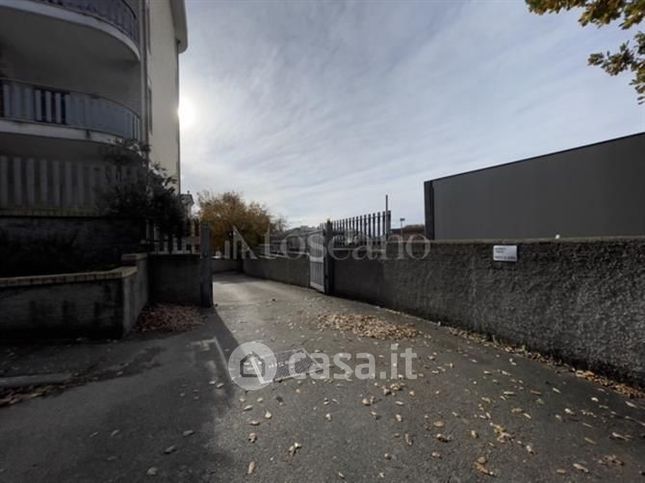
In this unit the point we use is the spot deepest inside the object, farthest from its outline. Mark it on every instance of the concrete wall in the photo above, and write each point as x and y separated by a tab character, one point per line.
581	301
105	303
181	279
225	265
294	271
163	79
42	245
594	190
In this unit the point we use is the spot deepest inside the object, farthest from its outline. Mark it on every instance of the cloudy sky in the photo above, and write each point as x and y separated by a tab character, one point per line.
320	108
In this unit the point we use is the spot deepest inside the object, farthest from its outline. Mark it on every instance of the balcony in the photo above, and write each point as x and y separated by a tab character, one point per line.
72	18
117	13
51	112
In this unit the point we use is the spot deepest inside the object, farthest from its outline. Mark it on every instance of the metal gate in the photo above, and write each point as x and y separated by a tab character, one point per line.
317	260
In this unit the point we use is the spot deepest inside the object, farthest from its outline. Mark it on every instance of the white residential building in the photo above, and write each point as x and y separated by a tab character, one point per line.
77	76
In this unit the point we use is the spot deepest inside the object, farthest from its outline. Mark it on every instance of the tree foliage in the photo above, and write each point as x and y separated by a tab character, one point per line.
629	13
224	211
149	194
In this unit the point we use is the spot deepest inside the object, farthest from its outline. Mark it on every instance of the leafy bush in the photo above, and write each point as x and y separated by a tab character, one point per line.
150	195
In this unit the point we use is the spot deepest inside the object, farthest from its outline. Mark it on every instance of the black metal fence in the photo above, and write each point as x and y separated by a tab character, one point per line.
361	230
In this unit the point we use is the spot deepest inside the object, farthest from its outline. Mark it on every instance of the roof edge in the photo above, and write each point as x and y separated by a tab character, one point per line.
517	161
178	8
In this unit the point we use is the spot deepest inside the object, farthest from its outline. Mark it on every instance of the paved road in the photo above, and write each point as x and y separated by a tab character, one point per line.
525	419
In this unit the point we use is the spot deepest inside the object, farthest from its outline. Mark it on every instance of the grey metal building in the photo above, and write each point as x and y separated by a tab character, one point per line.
594	190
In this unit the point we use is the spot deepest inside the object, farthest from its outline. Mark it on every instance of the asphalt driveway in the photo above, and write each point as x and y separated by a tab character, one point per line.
172	413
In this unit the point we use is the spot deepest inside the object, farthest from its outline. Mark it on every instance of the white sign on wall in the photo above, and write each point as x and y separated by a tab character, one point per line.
505	253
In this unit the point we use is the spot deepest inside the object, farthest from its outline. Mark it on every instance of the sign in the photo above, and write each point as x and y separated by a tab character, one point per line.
505	253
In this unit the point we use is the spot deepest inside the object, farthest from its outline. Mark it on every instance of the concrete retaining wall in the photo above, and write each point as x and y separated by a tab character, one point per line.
294	271
103	303
181	279
48	245
225	265
581	301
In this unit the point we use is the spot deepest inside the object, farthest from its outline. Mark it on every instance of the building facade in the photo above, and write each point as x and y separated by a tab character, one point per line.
588	191
78	77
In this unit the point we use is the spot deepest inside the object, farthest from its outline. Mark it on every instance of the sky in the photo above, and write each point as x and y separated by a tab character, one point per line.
320	108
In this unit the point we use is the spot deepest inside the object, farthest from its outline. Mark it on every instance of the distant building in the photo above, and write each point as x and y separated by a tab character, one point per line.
589	191
76	77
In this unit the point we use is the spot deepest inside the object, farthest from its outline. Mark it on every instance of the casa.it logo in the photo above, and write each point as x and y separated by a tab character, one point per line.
252	366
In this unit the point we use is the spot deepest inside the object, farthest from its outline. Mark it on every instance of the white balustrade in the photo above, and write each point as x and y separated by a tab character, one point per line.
53	185
31	103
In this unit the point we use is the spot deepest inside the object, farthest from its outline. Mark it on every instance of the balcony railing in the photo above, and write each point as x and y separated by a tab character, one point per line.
115	12
20	101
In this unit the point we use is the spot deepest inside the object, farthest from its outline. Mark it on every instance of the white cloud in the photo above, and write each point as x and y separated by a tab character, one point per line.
320	108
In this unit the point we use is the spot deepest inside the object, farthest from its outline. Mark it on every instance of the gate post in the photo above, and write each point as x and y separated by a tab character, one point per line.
329	259
205	266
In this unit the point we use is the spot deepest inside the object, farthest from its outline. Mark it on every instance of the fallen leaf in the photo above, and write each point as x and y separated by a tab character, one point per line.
188	432
436	454
293	448
482	469
581	468
473	434
398	417
438	424
408	439
170	449
328	417
152	471
254	422
253	437
611	459
619	436
267	415
251	468
248	407
443	438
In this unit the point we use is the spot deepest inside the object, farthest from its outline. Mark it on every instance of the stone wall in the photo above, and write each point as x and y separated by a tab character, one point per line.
579	300
102	303
291	270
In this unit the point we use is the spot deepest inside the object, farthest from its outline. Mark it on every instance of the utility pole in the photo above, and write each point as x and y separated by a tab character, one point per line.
402	220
